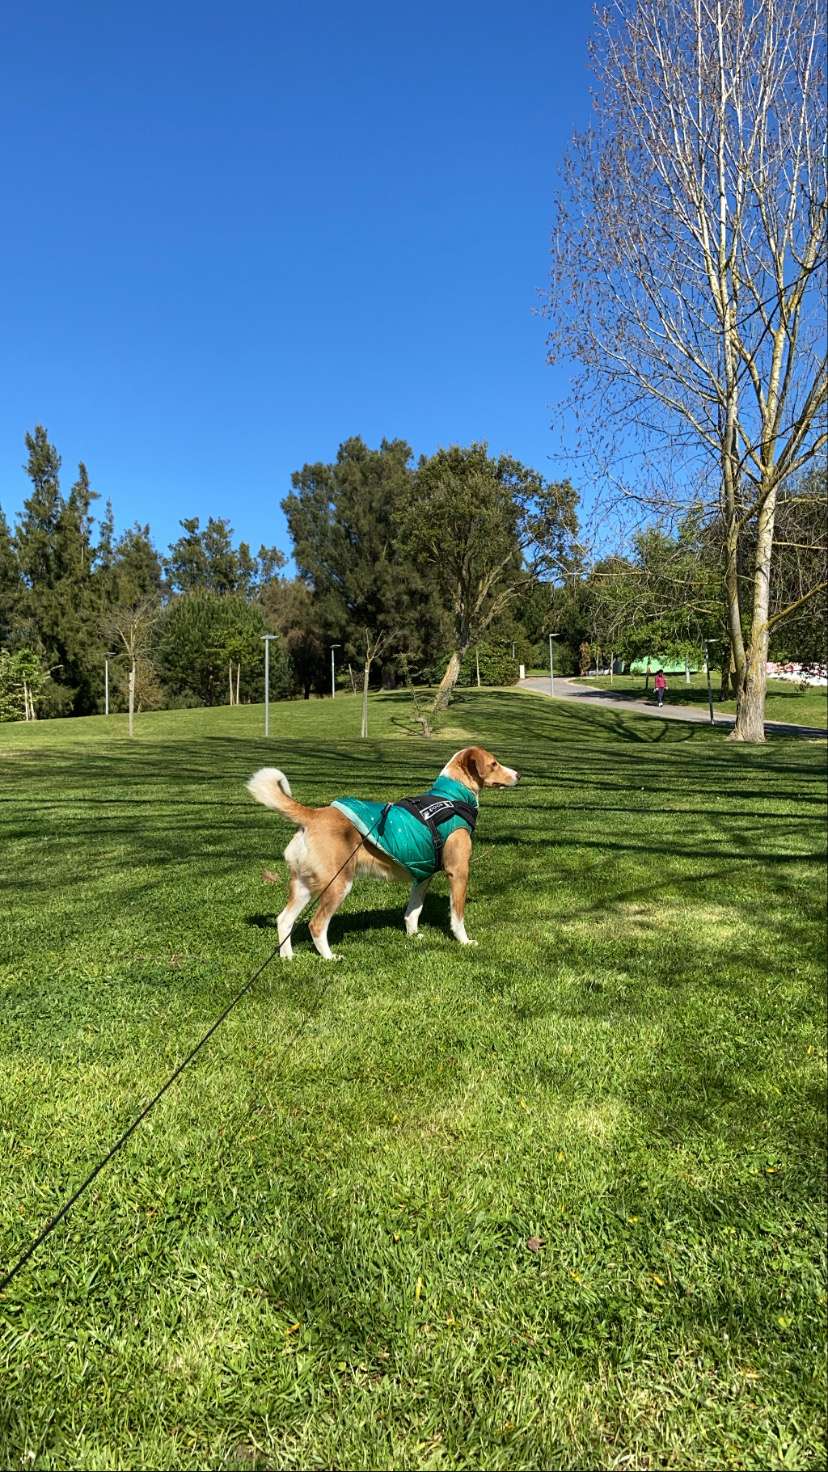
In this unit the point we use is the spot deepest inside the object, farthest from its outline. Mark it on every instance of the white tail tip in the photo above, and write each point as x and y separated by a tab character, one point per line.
262	785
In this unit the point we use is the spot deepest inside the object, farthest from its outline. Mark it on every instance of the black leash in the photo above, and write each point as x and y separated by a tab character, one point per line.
122	1139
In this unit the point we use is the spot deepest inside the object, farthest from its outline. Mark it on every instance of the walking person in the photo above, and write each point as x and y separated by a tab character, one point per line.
660	683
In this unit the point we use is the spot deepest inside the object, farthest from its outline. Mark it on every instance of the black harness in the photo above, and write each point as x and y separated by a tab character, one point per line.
432	811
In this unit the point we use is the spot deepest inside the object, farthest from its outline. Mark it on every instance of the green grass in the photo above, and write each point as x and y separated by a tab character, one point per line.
785	702
314	1252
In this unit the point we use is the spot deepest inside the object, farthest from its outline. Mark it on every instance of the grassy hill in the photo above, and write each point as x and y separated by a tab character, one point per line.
554	1201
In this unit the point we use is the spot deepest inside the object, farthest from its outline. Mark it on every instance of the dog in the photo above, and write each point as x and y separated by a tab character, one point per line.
351	837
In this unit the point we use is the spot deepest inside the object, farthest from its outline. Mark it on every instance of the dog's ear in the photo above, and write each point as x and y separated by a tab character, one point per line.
473	762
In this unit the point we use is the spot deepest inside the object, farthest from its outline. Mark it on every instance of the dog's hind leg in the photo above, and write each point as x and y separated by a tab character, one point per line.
416	899
331	899
298	897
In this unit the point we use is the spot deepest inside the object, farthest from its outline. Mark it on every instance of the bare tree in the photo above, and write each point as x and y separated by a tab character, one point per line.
130	624
688	278
375	644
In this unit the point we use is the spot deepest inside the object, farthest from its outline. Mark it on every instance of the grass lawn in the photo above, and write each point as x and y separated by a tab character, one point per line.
314	1252
785	701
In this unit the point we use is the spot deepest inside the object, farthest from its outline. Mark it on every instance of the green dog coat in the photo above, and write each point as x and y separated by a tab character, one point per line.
404	836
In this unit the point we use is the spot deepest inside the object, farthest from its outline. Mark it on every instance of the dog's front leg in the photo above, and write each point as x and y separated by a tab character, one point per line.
456	860
416	900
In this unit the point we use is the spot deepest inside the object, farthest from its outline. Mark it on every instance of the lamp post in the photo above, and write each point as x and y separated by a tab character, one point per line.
707	642
267	638
110	654
333	671
551	666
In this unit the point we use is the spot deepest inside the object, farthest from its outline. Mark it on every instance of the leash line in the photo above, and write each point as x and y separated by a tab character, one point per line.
54	1221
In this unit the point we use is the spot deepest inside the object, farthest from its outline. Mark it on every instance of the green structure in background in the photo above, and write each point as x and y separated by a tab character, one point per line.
650	663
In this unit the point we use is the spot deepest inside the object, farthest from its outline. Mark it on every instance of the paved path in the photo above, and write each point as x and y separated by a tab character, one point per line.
590	695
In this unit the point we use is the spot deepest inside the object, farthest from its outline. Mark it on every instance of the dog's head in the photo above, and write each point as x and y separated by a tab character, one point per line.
476	768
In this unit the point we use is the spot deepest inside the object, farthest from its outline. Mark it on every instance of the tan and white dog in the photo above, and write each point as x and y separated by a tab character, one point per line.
329	852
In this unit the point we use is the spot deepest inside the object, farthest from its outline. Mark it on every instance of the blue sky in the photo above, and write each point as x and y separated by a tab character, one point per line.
236	234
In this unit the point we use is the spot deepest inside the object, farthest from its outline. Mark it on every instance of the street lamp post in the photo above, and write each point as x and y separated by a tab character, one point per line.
707	642
267	638
333	671
551	666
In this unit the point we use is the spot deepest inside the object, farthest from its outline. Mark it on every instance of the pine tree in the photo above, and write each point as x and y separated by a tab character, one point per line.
78	630
135	572
60	608
342	519
206	561
11	587
186	566
223	569
36	535
205	637
104	551
36	542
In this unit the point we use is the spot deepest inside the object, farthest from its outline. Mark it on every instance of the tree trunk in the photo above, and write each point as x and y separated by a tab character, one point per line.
352	680
750	697
366	672
449	680
737	658
238	681
132	700
477	665
230	672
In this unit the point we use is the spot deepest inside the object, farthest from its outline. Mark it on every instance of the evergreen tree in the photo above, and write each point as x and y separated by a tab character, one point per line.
106	541
289	610
202	635
342	519
207	561
11	587
78	628
75	527
36	536
135	567
186	565
485	529
37	541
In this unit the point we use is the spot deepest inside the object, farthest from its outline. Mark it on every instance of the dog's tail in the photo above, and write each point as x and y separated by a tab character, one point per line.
271	787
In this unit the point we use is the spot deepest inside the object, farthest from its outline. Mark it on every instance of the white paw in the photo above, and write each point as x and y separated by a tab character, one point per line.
414	935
